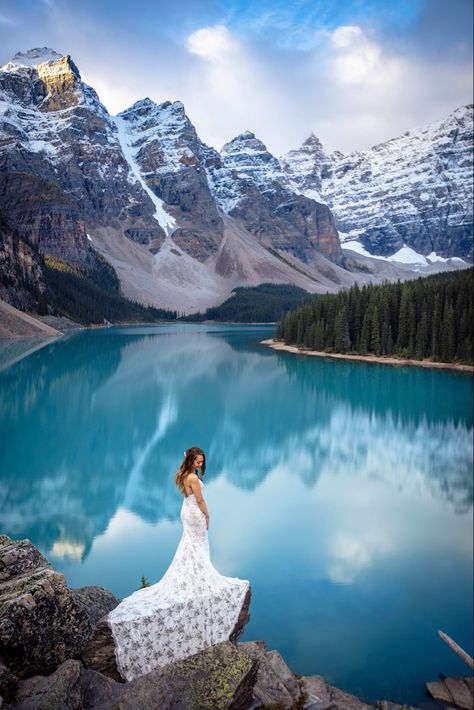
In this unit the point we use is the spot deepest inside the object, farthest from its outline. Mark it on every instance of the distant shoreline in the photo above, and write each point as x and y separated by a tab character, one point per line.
278	345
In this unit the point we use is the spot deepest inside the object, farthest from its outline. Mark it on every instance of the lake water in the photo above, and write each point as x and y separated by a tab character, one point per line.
342	491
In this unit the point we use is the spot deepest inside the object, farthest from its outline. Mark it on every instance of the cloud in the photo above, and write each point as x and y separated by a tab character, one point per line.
358	61
349	88
355	73
214	44
230	90
8	21
373	93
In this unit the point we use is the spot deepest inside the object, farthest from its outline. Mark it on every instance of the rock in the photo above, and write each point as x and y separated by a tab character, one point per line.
171	157
59	691
219	678
95	601
387	705
243	618
43	214
269	688
40	624
250	186
99	654
322	696
21	274
8	682
286	676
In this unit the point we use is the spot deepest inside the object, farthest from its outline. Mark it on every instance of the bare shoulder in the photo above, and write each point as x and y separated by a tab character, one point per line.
192	477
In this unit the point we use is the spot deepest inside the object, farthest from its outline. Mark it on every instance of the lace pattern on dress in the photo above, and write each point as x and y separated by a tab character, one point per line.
189	609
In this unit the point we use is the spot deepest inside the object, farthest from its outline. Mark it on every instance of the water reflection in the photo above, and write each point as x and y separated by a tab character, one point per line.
98	421
342	490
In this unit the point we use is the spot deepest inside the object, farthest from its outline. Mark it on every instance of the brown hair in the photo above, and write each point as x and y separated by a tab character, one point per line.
187	466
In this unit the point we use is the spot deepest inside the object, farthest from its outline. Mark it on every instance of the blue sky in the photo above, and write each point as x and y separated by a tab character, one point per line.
355	72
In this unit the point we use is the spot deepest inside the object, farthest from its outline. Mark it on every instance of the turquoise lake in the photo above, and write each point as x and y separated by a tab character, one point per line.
342	491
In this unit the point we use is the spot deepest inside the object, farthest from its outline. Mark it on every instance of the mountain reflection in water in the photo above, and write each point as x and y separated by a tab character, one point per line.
323	477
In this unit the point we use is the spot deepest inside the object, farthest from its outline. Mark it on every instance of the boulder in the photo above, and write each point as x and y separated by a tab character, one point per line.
276	685
219	678
99	654
40	623
62	690
8	683
95	601
322	696
242	619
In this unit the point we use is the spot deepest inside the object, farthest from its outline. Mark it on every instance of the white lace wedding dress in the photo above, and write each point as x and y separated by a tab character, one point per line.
190	608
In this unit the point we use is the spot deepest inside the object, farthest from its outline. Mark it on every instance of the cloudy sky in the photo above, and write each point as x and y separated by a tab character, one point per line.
355	72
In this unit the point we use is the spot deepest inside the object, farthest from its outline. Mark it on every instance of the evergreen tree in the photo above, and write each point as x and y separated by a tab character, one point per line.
429	317
448	342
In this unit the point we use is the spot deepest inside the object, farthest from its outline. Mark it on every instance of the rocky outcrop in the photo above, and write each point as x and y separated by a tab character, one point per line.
8	683
242	619
40	624
49	80
96	602
221	676
275	685
99	654
42	213
415	190
21	273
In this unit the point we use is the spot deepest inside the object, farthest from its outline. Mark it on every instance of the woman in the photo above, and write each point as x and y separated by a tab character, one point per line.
192	606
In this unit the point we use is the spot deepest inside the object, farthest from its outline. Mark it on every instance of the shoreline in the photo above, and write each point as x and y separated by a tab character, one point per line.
457	367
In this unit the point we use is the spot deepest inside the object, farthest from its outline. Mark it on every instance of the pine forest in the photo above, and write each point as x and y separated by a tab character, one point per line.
428	318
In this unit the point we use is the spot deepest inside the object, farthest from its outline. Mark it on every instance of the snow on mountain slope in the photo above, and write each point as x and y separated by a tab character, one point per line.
129	149
415	190
169	154
183	225
54	126
250	186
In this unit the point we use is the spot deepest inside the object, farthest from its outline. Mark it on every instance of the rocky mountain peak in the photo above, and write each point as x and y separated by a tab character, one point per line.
312	143
34	57
165	117
310	154
248	157
42	77
245	141
44	61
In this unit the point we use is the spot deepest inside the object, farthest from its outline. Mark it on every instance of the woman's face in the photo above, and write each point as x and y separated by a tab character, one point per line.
198	461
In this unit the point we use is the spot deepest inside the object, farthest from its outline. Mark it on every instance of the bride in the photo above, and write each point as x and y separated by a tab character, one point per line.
192	606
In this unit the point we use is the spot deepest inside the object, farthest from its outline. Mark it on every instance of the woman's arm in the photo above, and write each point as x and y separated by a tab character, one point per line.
196	489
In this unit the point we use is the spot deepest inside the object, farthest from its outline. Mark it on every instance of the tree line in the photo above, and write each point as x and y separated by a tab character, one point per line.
91	296
266	303
427	318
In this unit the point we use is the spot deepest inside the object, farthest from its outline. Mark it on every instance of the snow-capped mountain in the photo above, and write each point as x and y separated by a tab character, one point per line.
181	223
414	191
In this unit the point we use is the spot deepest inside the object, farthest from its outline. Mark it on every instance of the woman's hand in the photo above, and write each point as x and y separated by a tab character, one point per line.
207	522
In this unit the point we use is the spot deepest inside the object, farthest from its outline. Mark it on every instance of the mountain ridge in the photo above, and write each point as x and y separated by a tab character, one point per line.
182	224
429	171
